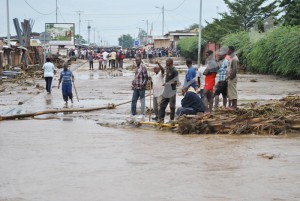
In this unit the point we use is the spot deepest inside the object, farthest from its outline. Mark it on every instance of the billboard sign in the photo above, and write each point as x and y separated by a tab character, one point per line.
35	42
61	33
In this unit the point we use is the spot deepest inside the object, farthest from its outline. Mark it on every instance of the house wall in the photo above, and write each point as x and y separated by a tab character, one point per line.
211	46
160	43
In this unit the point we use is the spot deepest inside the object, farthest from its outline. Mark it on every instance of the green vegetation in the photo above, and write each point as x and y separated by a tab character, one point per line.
291	9
275	52
126	41
248	13
189	47
249	26
241	41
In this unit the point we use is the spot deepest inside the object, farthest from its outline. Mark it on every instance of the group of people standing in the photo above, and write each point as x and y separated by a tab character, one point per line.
199	88
226	67
164	83
107	60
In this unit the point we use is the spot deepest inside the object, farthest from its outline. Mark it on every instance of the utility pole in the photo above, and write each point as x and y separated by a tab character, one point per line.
147	31
200	32
163	19
218	12
94	29
79	14
89	30
56	10
8	28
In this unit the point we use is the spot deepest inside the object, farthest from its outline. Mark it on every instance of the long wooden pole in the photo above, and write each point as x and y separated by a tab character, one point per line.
55	111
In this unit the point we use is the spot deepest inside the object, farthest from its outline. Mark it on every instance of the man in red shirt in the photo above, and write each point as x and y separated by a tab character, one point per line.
210	76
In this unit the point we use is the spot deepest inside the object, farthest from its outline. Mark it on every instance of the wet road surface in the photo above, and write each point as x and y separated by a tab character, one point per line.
73	158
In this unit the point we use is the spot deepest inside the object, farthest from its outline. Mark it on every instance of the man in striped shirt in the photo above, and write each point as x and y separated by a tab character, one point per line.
139	87
221	87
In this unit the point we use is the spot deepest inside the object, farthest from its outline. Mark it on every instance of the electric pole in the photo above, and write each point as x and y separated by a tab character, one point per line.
89	30
200	32
56	10
94	29
147	31
8	28
79	14
163	19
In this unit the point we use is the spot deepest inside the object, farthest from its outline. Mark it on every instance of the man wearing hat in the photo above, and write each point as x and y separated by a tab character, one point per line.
191	103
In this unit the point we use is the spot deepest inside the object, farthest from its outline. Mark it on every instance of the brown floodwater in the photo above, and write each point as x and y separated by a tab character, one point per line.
71	157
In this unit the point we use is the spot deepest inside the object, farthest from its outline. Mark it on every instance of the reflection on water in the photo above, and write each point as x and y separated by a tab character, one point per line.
48	101
103	75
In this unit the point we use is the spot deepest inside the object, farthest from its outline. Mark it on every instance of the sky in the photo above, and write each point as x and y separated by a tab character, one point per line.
110	19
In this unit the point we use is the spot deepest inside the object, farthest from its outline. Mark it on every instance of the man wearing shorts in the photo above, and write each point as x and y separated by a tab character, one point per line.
210	76
221	87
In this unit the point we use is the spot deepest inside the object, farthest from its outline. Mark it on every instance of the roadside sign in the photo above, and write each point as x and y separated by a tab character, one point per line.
136	43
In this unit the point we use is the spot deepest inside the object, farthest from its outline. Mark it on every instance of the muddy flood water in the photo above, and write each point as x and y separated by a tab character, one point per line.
96	157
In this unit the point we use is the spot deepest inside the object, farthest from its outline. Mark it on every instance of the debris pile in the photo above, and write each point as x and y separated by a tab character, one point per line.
276	118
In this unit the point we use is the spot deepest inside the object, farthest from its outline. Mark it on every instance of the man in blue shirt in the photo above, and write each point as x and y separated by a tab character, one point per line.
190	77
221	87
191	103
66	78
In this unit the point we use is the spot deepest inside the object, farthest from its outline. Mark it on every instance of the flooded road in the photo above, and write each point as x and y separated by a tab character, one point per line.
79	160
71	157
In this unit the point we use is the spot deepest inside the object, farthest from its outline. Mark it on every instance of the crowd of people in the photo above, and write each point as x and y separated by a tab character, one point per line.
199	88
112	58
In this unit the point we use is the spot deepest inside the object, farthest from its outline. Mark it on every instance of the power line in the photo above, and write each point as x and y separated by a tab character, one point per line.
115	14
61	15
177	6
37	10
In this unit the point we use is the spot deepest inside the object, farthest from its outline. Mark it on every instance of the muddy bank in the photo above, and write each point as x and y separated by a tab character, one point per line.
277	118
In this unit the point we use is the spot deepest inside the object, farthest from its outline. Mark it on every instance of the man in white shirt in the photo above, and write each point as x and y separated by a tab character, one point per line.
105	58
201	80
158	80
49	70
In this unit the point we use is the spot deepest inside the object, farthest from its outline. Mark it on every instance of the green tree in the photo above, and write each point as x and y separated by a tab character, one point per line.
189	47
193	27
250	12
213	32
79	37
126	41
142	37
291	9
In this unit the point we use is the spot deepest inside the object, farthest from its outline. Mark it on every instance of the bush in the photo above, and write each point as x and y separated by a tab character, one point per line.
189	47
274	52
241	41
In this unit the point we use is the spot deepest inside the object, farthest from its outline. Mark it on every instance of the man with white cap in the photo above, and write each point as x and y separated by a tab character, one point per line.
191	103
